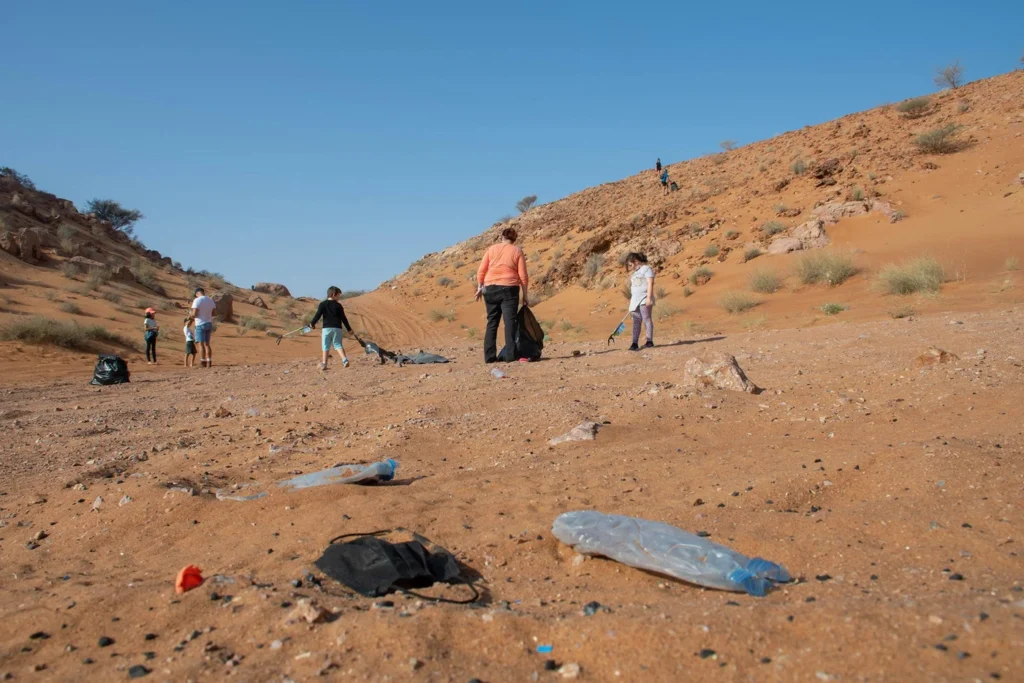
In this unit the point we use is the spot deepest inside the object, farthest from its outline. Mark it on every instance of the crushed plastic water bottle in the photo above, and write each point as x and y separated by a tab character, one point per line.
498	373
666	549
344	474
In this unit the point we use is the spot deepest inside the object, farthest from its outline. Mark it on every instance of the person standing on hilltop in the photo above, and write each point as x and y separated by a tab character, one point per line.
657	165
202	310
333	313
664	181
502	273
641	299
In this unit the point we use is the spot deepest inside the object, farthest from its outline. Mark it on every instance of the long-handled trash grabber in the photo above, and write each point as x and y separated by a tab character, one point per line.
303	330
622	324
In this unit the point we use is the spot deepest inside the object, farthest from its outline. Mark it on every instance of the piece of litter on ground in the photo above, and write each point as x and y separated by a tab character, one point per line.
544	649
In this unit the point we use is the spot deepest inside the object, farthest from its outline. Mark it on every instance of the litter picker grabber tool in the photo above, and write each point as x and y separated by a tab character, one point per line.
303	330
622	325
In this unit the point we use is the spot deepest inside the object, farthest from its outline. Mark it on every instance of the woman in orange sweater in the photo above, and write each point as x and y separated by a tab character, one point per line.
501	275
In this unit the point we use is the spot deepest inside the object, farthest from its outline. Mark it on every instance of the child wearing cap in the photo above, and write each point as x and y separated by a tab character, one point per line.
152	328
190	342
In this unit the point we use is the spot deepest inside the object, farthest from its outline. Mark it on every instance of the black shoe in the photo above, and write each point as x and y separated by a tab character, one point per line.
633	347
649	344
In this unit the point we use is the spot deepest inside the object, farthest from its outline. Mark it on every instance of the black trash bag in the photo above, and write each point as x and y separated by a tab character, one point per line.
374	567
529	337
110	370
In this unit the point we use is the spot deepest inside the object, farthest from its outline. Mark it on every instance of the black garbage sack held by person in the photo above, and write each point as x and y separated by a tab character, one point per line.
529	337
386	561
110	370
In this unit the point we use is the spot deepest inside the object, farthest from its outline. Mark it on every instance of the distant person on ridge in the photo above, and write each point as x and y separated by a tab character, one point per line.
641	300
202	310
501	275
664	181
657	165
333	313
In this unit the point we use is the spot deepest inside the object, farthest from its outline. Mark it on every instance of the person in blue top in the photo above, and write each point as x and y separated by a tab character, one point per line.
664	181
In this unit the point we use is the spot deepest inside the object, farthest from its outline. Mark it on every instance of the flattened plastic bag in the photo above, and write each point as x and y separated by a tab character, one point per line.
373	566
110	370
529	338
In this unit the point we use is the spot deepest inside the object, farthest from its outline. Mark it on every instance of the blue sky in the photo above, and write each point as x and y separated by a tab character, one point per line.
318	143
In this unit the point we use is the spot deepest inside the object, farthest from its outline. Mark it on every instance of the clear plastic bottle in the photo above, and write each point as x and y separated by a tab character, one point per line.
666	549
344	474
497	372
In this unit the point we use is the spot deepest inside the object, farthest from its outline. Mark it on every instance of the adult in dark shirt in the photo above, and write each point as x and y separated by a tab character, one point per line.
333	314
657	166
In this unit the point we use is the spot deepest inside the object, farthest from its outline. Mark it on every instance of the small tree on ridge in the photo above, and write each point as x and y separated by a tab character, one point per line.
110	211
728	145
526	203
19	178
951	76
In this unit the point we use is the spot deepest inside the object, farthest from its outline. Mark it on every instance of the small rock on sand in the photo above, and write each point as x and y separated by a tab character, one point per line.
719	370
581	432
935	356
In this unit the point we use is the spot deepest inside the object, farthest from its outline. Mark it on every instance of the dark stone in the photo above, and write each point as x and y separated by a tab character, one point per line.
138	671
823	577
703	534
150	636
705	653
106	641
766	660
941	647
956	577
550	665
39	635
591	608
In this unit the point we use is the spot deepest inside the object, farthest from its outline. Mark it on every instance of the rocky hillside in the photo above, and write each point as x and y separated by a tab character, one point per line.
905	170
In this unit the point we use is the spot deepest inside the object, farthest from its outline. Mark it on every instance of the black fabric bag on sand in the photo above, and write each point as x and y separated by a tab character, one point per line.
529	338
110	370
373	566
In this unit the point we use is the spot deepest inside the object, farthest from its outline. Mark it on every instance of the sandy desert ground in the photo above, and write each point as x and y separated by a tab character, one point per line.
891	490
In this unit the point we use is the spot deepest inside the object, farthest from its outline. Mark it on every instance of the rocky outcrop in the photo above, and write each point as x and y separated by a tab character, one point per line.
256	301
225	310
811	234
784	245
271	288
719	370
24	244
586	431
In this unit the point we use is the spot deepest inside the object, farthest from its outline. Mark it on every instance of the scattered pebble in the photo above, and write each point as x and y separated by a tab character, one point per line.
106	641
138	671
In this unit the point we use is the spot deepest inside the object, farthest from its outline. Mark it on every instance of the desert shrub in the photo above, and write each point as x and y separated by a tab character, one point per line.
772	228
526	203
857	194
110	211
351	294
666	311
915	107
687	292
661	293
765	282
566	325
731	235
112	297
902	312
711	250
828	267
146	275
593	265
939	141
701	276
70	270
1012	263
832	309
718	159
445	281
963	107
471	333
437	316
97	278
19	178
626	290
249	322
751	254
459	264
951	76
68	335
923	274
728	145
799	167
737	302
72	308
